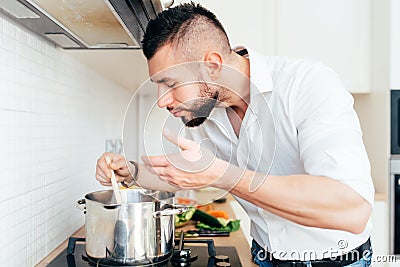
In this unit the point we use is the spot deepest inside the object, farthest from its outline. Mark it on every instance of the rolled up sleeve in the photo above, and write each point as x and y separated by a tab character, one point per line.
329	132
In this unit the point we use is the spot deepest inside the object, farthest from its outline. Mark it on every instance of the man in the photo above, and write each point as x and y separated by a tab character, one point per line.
308	192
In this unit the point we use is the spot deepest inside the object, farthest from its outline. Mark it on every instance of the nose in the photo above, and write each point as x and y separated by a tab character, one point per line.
165	98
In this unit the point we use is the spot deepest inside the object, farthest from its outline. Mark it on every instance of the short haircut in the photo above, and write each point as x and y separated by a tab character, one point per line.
189	26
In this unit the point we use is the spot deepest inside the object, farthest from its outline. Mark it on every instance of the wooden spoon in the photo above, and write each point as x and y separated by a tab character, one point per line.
117	193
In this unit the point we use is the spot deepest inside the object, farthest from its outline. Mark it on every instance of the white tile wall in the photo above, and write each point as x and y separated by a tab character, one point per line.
55	115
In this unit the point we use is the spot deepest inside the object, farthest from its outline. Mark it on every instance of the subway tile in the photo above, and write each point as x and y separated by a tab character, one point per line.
10	46
41	253
31	40
46	112
5	209
7	192
41	229
3	229
29	250
35	258
40	46
41	207
20	36
1	45
4	121
3	255
8	29
4	101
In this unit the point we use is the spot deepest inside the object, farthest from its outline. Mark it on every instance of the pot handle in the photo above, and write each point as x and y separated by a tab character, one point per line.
81	204
169	210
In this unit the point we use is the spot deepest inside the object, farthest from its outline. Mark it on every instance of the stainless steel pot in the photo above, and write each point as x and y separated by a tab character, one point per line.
137	233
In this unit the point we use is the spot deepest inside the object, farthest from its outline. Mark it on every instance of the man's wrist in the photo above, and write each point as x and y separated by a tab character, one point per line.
134	175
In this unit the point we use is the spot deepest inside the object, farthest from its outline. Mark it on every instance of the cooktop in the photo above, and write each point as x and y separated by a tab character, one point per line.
203	254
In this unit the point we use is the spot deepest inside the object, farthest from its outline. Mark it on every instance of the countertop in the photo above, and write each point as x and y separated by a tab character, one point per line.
236	239
380	196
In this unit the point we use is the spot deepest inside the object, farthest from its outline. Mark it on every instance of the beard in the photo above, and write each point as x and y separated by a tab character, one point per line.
201	108
200	112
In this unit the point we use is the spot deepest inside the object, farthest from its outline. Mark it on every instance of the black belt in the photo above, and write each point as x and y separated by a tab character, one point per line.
342	260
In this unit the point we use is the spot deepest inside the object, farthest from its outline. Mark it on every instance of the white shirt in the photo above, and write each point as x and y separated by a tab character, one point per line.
300	121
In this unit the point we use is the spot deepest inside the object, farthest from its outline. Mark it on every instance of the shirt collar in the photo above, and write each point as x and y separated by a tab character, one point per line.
260	73
260	82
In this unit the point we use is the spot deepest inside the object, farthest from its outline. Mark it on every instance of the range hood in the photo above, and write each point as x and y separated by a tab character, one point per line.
86	24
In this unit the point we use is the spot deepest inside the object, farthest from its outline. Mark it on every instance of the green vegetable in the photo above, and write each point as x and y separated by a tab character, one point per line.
230	226
206	218
183	218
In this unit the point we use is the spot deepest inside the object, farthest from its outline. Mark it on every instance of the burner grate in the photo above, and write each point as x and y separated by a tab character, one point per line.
75	255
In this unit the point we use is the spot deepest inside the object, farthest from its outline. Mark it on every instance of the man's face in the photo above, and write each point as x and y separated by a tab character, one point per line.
180	87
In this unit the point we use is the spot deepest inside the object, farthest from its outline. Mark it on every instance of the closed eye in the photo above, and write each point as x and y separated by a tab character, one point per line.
171	85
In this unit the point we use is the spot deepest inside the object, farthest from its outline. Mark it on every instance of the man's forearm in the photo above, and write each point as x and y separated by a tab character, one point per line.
151	181
308	200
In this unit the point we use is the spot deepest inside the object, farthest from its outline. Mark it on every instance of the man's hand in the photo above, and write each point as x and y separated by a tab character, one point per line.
192	167
118	164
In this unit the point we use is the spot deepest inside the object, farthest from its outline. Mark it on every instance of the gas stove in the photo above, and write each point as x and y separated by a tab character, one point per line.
200	253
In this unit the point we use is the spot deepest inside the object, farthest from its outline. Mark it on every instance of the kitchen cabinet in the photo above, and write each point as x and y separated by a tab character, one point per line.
335	32
395	44
380	230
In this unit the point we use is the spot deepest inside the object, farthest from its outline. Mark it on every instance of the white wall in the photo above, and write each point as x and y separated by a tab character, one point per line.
247	23
55	115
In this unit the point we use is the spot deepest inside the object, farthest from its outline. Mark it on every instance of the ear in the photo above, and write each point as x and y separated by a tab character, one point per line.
213	62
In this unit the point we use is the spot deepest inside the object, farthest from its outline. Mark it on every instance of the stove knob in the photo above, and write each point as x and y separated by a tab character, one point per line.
221	258
223	264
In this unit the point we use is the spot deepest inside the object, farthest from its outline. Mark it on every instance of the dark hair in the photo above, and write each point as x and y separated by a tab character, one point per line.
173	23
